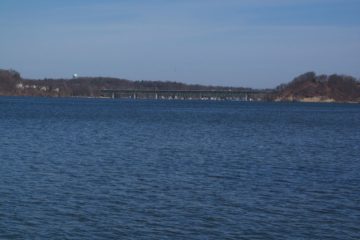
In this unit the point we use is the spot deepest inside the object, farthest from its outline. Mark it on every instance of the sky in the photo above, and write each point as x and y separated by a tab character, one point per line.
248	43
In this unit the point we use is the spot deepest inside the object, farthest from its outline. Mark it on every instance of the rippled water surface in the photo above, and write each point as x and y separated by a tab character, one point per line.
118	169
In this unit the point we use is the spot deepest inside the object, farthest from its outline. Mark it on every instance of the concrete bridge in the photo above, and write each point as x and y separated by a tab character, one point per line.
241	95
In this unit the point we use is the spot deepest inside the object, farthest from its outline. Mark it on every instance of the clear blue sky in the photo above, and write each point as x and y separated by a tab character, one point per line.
252	43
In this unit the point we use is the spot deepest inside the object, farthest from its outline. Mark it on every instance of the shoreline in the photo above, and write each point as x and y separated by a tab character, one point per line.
306	100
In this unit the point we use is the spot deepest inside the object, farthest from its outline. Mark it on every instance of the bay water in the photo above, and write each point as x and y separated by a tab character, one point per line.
142	169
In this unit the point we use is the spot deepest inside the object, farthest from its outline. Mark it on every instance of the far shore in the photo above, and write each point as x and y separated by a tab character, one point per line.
305	100
307	88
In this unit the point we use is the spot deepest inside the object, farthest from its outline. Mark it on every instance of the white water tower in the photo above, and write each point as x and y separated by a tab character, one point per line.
75	75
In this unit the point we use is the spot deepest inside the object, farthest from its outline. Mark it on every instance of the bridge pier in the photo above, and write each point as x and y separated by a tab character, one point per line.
242	95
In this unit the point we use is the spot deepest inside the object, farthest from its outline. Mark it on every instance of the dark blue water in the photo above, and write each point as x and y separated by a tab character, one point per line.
104	169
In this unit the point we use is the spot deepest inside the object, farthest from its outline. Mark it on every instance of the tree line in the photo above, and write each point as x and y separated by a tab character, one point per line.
11	83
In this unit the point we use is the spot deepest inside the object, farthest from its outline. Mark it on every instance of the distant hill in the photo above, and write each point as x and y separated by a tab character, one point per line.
11	83
309	87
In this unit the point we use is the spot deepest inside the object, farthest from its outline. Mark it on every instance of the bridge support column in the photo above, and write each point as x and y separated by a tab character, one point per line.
113	95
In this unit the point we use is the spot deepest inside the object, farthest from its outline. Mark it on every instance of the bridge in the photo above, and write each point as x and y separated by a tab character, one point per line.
241	95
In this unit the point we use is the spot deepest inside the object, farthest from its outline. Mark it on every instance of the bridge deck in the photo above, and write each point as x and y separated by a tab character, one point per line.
187	94
183	91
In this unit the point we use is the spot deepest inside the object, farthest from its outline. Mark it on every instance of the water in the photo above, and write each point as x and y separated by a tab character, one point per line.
104	169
